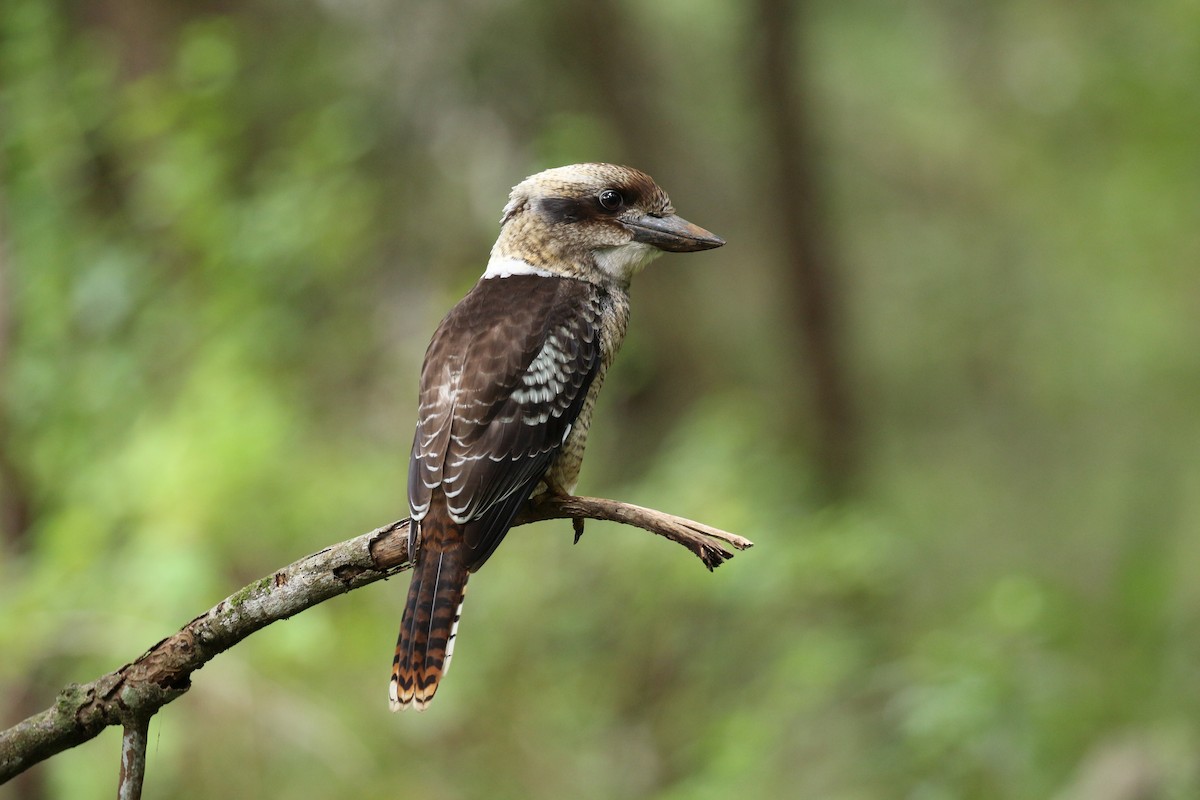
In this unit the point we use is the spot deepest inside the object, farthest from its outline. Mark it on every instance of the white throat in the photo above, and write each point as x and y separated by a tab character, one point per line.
624	261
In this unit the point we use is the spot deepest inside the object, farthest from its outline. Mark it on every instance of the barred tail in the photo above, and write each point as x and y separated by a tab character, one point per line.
431	614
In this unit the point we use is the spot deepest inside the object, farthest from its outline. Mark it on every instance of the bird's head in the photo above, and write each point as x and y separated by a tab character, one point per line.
600	222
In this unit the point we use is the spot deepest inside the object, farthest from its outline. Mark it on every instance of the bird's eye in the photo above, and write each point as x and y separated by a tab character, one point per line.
611	199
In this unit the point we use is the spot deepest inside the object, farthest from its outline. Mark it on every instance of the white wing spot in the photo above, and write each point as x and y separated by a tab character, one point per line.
546	377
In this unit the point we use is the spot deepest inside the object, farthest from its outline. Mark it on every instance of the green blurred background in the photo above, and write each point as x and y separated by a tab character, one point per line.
944	374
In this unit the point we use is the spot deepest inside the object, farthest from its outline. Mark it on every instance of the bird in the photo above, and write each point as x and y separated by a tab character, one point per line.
509	382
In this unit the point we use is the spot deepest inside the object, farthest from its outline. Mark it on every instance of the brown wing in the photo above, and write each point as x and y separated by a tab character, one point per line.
504	379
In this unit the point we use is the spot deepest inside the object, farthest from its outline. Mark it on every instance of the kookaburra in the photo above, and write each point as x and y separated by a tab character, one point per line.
510	379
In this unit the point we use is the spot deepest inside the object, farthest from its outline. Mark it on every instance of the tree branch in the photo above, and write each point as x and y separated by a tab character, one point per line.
695	536
135	692
133	759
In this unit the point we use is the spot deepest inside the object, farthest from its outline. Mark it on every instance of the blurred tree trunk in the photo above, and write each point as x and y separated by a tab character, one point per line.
143	32
810	279
16	513
15	505
598	42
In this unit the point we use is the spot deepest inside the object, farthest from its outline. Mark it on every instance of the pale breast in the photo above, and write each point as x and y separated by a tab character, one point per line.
563	474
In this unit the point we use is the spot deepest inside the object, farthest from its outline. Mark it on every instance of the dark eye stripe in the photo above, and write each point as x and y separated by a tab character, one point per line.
565	209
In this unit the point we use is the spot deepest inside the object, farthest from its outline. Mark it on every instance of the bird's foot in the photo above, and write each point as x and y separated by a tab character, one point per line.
557	493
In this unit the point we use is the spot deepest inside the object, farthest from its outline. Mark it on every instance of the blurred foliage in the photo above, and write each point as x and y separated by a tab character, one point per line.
229	230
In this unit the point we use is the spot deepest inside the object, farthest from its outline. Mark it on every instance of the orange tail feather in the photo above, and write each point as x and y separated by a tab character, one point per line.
431	614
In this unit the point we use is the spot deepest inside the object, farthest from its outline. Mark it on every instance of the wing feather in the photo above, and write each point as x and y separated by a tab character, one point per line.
504	379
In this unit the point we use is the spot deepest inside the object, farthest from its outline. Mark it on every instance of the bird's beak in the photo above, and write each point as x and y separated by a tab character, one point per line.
672	233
